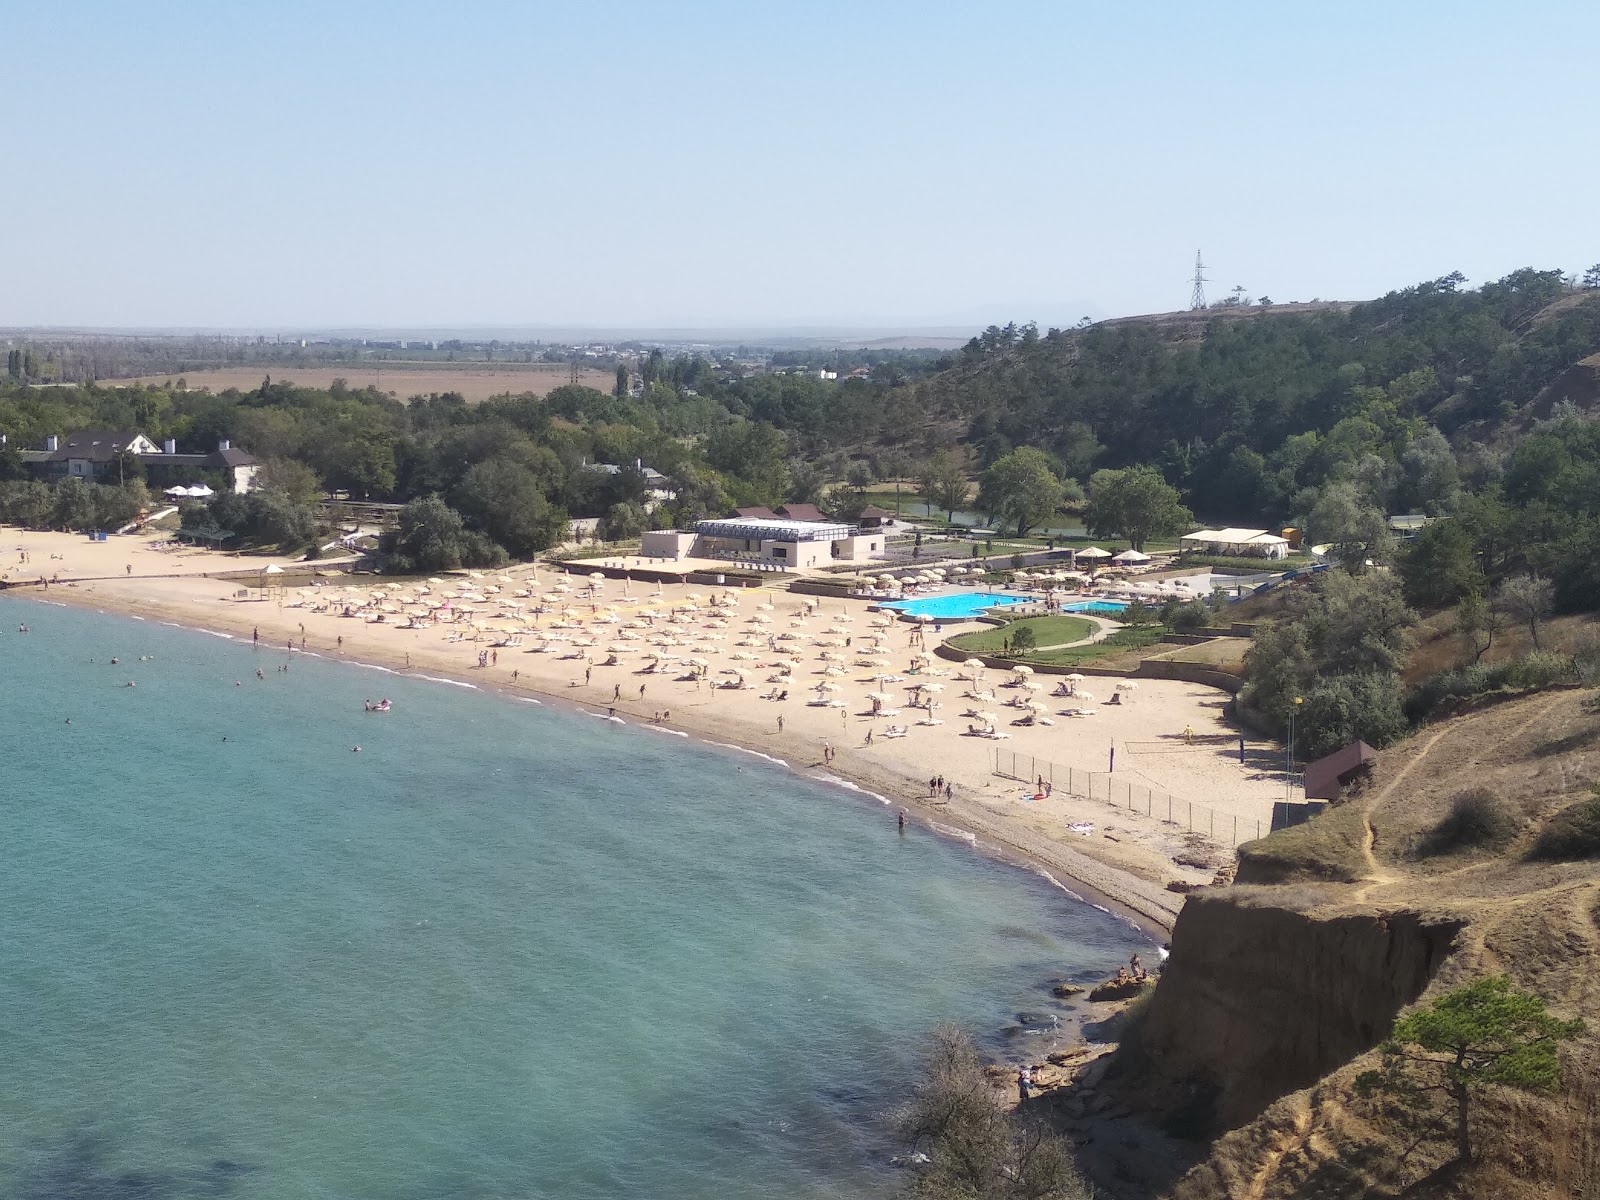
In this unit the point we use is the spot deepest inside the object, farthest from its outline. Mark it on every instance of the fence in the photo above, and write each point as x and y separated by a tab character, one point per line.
1134	797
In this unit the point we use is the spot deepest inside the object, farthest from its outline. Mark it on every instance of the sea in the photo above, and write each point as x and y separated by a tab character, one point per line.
505	949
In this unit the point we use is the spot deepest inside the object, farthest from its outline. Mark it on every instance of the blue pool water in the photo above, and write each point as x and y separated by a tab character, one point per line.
1102	608
956	606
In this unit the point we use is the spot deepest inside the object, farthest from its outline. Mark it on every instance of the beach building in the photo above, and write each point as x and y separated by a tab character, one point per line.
1326	778
1236	543
768	538
101	455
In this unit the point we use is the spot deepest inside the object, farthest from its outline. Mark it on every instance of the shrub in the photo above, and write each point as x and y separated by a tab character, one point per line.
1540	669
1185	616
1138	613
1023	639
1341	709
1477	819
1572	834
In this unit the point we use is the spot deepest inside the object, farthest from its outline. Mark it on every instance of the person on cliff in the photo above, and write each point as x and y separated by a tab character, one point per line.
1024	1083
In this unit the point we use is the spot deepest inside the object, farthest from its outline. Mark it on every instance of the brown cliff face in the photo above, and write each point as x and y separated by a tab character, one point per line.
1276	992
1256	1002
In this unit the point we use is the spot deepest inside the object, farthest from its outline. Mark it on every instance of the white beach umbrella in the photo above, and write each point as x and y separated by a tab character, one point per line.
1022	670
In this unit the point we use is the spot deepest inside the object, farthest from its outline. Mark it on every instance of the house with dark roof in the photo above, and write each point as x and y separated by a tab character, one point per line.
1327	778
801	512
96	455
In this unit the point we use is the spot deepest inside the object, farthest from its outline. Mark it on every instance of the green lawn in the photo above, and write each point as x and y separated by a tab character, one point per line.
1133	638
1047	631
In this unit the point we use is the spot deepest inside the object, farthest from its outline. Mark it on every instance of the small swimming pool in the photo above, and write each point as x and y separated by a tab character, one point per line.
954	606
1101	608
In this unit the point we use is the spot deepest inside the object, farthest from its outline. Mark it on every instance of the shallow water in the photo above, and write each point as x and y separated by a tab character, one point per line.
505	950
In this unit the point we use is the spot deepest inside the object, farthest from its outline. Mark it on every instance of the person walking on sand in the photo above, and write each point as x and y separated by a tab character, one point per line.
641	691
780	722
869	737
616	693
587	671
255	636
341	643
949	790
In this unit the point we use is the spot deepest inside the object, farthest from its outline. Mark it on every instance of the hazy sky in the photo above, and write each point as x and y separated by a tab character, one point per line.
762	163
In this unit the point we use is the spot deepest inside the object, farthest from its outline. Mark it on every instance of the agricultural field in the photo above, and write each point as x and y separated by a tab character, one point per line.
475	381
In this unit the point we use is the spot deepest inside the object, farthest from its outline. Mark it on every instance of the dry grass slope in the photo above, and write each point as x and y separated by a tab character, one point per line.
1528	761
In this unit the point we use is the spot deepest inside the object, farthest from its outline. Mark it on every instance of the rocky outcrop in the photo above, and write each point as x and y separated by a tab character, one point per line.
1256	1002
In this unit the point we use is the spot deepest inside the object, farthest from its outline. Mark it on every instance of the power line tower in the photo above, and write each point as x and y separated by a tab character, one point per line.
1197	298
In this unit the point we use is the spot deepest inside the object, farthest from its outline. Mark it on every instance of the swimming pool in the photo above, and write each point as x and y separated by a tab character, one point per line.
1102	608
954	606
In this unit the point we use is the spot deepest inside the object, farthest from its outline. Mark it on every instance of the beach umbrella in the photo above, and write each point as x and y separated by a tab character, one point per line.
1022	670
1076	678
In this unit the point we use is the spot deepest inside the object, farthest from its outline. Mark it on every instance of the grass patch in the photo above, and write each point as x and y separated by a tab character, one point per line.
1326	848
1047	631
1121	642
1477	820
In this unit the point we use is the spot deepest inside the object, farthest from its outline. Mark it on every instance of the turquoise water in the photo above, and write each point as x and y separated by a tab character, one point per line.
1104	608
504	951
955	606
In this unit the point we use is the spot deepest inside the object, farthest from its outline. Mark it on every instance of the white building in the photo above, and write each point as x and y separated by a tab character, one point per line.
1236	543
769	540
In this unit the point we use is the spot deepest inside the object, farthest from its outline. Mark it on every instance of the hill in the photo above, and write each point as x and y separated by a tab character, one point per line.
1244	409
1280	986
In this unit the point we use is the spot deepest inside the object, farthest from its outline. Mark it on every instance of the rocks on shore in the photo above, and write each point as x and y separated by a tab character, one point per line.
1121	989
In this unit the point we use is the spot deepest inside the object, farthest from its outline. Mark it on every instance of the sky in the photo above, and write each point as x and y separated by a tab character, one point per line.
281	165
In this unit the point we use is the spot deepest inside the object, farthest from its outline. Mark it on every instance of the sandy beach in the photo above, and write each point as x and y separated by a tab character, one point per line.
603	646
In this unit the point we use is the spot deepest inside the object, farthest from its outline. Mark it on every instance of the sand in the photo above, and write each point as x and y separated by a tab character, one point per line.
1127	857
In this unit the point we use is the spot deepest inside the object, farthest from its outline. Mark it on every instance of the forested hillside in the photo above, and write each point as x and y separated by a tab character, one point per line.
1248	417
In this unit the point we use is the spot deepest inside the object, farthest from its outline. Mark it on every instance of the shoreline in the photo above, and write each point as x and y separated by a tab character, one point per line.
1108	887
772	673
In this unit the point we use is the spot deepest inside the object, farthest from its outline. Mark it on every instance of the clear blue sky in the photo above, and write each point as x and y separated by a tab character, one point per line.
762	163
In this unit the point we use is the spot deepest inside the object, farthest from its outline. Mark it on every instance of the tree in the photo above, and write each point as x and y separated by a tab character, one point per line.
1439	566
433	537
1136	504
1021	490
621	390
625	521
1486	1034
1591	277
1477	621
504	501
975	1149
1527	599
1356	528
942	482
1023	639
289	477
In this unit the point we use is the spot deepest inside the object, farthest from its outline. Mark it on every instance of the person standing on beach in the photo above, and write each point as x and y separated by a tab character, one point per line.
255	636
780	722
949	790
902	821
587	671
